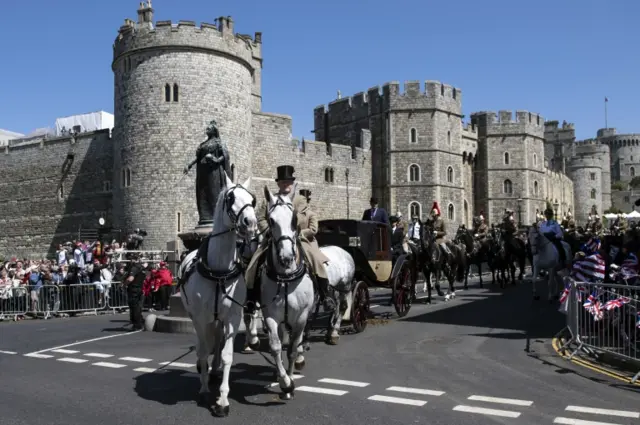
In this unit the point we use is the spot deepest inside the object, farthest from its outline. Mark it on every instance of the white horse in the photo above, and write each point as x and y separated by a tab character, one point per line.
215	293
546	257
287	294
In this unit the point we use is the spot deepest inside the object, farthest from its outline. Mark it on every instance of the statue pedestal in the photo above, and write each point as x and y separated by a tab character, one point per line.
177	321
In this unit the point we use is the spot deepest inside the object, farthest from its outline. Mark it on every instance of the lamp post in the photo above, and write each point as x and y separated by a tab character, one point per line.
555	206
346	176
519	212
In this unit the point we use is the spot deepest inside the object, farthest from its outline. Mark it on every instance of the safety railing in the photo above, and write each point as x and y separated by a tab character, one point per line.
603	318
61	300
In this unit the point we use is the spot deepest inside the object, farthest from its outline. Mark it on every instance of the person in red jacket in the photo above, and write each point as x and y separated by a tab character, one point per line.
163	283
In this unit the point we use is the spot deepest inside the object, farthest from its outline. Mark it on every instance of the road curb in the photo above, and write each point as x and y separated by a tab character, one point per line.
558	342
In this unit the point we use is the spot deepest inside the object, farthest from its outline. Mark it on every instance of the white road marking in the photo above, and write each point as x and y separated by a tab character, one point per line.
571	421
85	342
7	352
343	382
595	411
38	356
415	391
177	364
483	411
145	370
99	355
111	365
71	360
65	351
374	306
135	359
321	390
513	401
397	400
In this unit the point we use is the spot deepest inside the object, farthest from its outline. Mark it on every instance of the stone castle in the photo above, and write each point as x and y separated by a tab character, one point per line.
408	148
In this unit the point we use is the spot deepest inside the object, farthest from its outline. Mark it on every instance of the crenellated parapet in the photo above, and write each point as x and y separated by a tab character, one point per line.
504	122
434	96
19	146
217	38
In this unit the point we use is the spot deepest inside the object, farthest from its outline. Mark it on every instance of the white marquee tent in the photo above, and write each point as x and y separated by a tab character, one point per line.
87	122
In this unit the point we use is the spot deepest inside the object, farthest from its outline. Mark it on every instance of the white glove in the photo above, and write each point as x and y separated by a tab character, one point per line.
476	235
435	233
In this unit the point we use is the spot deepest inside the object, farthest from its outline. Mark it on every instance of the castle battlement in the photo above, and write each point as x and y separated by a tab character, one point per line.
469	130
555	125
18	146
504	122
219	37
337	150
435	95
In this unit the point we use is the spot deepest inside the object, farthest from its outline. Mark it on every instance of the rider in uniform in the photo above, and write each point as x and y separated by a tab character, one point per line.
510	230
134	280
596	227
551	229
307	229
571	223
285	182
438	227
480	228
397	237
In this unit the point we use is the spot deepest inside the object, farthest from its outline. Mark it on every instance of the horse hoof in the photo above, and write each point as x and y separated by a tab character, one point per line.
247	350
333	340
299	365
220	411
285	396
254	346
289	390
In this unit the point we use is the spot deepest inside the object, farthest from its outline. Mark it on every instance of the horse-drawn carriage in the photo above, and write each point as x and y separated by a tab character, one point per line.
369	243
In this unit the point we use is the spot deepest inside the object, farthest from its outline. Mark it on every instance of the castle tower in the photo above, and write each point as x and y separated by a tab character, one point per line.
590	174
558	144
510	164
420	149
624	165
170	81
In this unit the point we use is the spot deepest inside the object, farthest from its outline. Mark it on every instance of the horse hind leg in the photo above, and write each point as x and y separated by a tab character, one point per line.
333	331
252	342
296	350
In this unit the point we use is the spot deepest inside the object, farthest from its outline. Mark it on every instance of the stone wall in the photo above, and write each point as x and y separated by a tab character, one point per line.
343	196
52	188
624	200
560	190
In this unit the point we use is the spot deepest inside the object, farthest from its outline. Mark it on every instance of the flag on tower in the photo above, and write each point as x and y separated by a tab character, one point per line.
606	99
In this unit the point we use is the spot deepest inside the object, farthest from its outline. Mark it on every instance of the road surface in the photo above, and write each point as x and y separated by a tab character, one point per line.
483	358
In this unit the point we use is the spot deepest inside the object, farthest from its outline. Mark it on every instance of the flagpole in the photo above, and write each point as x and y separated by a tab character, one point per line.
606	100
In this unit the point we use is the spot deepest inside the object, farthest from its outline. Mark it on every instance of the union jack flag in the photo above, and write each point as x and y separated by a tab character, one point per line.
565	293
589	269
617	303
630	266
593	304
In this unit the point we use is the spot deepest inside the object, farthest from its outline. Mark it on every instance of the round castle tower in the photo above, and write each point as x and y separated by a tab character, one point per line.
170	82
589	170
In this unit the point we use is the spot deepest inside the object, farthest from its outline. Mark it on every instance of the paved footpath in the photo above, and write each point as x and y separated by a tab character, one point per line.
483	358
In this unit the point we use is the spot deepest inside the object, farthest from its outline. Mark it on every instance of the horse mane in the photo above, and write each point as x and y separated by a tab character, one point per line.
217	211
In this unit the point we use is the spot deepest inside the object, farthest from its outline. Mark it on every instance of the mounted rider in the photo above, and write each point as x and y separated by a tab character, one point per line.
480	228
552	230
571	223
437	226
596	226
620	225
285	180
510	230
539	216
397	237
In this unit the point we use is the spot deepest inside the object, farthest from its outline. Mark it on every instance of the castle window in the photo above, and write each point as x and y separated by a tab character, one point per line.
626	199
450	175
106	186
167	93
179	222
233	172
60	193
413	137
448	137
126	177
592	176
415	210
328	175
466	212
593	194
535	160
176	93
535	188
451	212
506	158
414	173
507	187
632	172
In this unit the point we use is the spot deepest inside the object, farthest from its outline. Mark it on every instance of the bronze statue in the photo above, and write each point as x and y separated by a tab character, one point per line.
212	158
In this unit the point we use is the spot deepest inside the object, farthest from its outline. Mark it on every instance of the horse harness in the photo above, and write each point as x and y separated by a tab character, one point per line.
220	278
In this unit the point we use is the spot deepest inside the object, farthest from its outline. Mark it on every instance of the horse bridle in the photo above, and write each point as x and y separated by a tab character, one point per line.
294	224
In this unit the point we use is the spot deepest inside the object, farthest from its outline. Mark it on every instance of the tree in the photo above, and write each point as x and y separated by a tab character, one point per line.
618	185
613	210
635	182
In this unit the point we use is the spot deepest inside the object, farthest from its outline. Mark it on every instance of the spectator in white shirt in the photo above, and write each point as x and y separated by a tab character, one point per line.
414	229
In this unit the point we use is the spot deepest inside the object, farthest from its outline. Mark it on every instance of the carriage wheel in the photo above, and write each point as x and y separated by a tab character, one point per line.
402	290
360	307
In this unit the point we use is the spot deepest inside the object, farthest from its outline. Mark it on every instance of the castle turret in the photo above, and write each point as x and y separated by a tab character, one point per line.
589	171
170	81
510	173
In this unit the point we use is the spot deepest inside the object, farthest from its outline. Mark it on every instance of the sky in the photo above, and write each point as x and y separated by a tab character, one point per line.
557	58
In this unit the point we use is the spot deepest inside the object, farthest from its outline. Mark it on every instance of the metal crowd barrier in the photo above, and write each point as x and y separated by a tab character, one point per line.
603	318
54	300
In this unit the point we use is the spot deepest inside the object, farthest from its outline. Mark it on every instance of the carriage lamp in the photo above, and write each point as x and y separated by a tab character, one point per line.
519	212
555	207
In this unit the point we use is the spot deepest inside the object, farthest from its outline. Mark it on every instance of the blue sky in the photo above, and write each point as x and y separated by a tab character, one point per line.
558	58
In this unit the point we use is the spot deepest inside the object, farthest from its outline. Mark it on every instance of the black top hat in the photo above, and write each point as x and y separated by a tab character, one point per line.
306	193
373	200
285	172
638	203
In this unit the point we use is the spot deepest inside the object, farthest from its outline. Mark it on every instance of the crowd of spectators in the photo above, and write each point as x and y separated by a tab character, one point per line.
83	276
